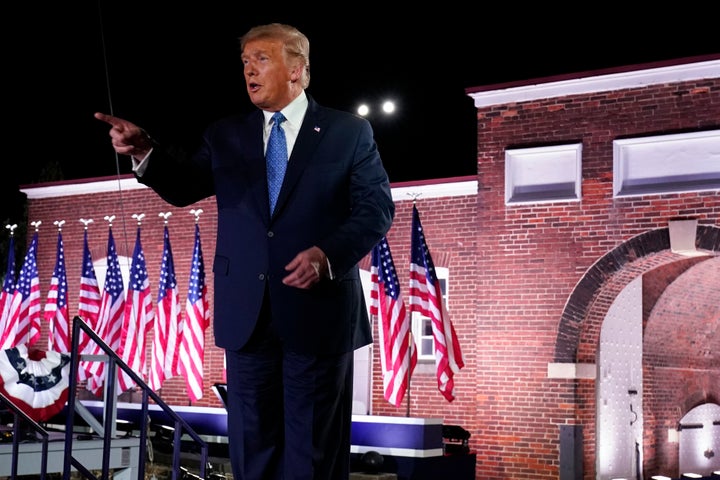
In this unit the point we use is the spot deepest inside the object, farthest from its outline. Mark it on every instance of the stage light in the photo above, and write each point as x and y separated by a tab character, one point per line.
690	475
388	107
163	439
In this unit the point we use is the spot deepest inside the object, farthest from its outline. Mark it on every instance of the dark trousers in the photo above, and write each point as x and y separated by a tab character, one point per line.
289	414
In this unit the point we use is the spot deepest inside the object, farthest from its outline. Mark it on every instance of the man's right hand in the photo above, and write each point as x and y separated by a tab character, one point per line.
127	138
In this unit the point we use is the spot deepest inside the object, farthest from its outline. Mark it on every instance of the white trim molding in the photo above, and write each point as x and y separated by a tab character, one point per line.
597	83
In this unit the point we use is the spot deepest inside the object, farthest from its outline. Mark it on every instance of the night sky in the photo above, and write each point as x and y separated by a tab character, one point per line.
172	67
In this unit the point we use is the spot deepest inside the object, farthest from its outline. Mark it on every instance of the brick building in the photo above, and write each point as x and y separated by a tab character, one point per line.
582	273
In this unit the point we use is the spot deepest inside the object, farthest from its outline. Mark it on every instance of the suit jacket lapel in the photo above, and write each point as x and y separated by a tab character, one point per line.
256	160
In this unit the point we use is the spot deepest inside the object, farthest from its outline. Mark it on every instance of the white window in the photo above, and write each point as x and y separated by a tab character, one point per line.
543	174
422	325
666	163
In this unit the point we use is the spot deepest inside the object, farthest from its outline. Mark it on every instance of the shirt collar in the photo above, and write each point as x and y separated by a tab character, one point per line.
293	111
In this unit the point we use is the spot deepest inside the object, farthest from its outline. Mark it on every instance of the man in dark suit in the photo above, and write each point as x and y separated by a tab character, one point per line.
289	306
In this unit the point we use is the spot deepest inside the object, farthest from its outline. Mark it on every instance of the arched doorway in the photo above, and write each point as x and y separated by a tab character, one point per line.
649	259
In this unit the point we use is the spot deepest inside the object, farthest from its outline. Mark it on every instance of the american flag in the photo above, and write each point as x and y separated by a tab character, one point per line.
8	287
23	324
137	319
398	355
426	298
89	301
88	304
197	319
112	307
56	308
167	322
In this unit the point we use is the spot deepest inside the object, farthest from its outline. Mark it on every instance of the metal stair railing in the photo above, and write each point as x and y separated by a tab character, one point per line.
107	430
18	418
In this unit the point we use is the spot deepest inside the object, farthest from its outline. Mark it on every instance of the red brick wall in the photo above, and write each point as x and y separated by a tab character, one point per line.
532	257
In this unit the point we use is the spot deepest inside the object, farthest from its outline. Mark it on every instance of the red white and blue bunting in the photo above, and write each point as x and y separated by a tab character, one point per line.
36	381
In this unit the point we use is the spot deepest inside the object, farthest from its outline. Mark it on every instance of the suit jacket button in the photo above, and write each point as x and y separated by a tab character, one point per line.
271	234
261	276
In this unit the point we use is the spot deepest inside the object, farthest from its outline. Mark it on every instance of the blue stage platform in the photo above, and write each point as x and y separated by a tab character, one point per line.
411	447
396	436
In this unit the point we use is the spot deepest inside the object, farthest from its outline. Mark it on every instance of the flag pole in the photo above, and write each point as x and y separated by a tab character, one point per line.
411	341
409	362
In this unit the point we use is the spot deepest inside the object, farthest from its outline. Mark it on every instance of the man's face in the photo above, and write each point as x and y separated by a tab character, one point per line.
267	76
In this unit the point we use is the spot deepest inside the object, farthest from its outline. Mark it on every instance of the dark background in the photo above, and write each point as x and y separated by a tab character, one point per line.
172	67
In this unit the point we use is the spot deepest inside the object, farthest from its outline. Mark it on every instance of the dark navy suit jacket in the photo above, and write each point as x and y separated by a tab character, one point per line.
335	195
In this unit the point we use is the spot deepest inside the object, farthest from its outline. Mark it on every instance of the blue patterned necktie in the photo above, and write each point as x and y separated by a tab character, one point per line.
276	157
